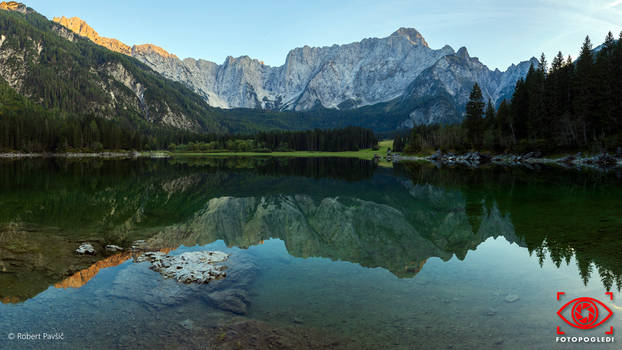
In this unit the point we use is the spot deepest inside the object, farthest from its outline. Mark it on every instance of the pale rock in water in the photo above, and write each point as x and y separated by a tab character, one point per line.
512	298
139	283
86	248
138	245
113	248
191	267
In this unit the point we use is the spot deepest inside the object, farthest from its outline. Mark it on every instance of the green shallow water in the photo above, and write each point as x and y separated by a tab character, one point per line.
346	255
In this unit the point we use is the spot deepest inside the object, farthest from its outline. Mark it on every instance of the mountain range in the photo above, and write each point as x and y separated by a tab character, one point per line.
400	67
382	83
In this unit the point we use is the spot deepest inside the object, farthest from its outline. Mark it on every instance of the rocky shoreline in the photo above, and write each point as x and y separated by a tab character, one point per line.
530	160
132	154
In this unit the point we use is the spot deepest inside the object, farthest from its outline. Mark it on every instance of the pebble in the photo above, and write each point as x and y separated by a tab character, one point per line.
187	324
125	340
491	312
86	248
511	298
113	248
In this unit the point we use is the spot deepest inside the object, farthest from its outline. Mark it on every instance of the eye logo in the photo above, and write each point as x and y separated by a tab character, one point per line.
585	313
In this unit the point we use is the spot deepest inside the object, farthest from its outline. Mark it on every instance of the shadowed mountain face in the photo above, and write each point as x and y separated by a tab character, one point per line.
394	219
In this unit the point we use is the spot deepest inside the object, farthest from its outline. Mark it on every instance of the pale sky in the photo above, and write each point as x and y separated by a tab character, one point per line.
499	32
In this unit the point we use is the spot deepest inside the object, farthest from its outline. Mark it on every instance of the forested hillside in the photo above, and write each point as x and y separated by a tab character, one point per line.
68	74
569	106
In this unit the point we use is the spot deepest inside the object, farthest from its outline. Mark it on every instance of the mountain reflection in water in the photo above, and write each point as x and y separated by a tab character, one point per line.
342	209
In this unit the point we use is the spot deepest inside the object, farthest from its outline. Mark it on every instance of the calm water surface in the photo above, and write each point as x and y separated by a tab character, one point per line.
339	253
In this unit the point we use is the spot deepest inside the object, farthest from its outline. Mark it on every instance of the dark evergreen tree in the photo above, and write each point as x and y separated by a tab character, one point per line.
489	136
520	110
537	121
543	64
558	62
473	120
504	132
604	96
584	106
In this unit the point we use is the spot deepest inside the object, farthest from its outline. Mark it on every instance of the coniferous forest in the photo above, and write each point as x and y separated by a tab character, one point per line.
28	127
318	140
562	107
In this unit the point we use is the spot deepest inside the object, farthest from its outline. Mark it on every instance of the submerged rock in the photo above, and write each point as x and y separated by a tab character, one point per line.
231	293
113	248
192	267
234	300
140	282
511	298
86	248
187	324
491	311
138	245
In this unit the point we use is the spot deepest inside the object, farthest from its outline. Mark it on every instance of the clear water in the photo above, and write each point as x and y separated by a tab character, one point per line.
347	255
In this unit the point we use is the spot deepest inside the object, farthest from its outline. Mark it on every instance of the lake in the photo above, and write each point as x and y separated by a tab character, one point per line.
331	253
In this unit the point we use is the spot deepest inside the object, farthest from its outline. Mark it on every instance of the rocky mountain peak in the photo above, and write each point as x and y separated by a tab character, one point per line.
463	53
448	48
149	49
412	35
13	6
77	25
81	28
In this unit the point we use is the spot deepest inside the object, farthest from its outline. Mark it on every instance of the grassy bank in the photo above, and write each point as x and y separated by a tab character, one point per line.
361	154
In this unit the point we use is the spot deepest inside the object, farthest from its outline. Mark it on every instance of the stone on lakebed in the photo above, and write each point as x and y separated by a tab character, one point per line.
191	267
86	248
512	298
113	248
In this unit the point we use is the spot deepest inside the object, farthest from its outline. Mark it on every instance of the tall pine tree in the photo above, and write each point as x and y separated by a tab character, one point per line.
473	119
584	106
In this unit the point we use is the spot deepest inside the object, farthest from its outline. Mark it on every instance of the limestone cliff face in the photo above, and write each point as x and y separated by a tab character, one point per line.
357	74
80	27
14	6
431	86
340	76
